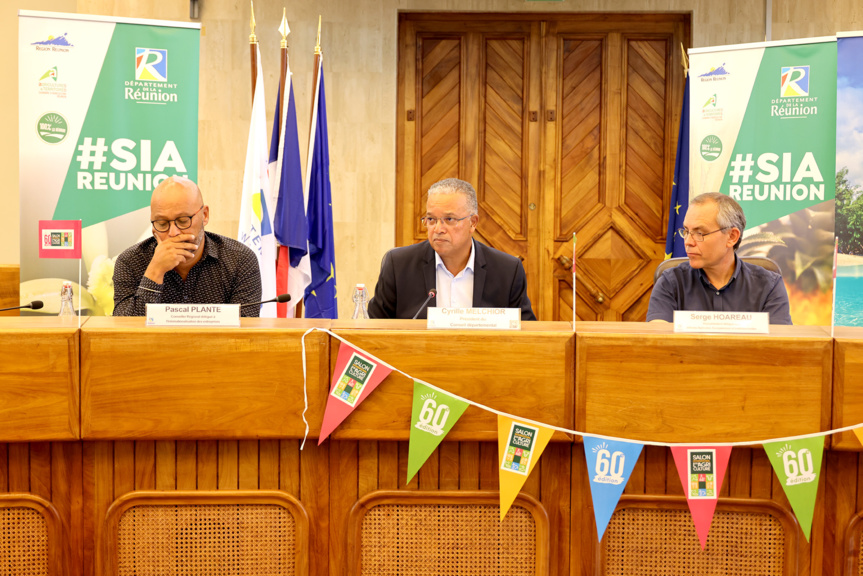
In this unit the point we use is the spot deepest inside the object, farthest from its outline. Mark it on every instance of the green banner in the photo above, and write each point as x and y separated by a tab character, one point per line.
148	84
784	157
797	464
433	416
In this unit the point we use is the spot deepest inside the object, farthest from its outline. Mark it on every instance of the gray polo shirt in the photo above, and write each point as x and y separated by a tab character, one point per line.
751	289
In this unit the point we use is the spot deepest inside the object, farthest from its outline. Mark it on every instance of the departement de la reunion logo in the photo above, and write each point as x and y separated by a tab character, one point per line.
150	84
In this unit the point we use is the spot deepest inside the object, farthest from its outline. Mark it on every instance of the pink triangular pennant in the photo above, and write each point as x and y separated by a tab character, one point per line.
355	376
701	470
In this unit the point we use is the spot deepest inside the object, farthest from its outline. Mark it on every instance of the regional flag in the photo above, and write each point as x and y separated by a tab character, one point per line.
293	272
674	247
321	293
256	217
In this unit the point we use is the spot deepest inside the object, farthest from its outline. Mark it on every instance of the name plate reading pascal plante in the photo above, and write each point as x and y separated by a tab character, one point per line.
689	321
193	315
474	319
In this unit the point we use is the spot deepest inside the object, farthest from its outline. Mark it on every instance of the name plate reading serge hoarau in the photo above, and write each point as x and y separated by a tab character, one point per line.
722	322
474	319
193	315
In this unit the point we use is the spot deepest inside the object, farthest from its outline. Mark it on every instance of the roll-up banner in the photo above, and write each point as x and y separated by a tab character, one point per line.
849	180
763	131
108	108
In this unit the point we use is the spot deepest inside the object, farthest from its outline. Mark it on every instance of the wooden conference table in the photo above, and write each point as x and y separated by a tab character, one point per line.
106	428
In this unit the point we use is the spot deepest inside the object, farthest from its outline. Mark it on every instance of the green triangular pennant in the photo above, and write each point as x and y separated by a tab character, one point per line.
433	416
797	464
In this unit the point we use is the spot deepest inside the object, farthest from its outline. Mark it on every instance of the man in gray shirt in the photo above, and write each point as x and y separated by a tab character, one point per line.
715	279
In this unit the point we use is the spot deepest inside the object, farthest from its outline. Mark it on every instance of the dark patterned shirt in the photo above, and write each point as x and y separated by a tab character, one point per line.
227	273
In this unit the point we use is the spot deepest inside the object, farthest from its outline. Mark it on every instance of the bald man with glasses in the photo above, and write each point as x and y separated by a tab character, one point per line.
463	272
181	263
715	279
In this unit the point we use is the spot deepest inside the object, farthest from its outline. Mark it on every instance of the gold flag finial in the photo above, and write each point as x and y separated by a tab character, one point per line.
252	38
685	60
284	29
318	44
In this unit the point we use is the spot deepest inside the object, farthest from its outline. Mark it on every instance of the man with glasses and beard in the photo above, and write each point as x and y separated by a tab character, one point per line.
464	272
181	263
715	279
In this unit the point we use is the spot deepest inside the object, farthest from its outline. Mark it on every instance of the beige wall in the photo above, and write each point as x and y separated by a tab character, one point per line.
359	40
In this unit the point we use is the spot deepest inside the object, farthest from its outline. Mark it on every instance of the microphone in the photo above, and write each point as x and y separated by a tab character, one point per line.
281	298
432	294
34	305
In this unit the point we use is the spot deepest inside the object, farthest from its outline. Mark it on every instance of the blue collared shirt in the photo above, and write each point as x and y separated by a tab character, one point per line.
751	289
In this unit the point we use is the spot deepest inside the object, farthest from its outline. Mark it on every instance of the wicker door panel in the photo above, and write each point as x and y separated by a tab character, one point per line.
431	533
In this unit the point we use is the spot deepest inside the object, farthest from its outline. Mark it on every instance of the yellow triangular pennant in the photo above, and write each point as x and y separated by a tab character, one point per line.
519	446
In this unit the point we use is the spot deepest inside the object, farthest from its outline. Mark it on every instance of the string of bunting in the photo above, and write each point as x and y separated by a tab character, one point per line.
796	460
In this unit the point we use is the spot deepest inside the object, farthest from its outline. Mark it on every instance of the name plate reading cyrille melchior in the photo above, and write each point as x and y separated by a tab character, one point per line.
193	315
722	322
474	319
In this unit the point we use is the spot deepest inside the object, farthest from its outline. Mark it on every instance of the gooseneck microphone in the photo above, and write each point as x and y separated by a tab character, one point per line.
34	305
432	294
281	298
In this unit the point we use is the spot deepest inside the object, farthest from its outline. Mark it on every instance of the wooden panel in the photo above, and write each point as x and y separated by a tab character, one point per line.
488	367
439	73
9	287
133	389
847	391
43	353
659	386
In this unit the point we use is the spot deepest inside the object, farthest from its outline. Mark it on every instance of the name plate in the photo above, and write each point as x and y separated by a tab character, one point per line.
474	319
722	322
193	315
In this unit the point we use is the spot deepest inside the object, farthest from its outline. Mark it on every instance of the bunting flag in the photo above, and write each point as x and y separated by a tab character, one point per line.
320	295
355	377
674	247
433	416
293	272
859	433
256	216
609	465
797	464
519	447
701	470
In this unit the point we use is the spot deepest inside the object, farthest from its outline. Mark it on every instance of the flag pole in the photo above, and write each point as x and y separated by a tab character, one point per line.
253	46
284	30
317	65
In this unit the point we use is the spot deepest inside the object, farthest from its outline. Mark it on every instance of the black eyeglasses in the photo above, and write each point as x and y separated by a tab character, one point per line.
182	223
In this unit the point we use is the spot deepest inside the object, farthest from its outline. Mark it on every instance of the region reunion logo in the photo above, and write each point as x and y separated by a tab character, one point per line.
54	44
715	74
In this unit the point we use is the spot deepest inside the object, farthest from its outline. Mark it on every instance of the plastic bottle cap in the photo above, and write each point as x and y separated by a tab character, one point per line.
361	286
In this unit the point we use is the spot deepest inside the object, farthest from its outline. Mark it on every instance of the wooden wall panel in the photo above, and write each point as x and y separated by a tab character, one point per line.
84	478
9	283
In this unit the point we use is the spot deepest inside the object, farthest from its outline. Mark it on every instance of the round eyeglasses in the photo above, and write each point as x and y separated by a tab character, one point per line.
182	223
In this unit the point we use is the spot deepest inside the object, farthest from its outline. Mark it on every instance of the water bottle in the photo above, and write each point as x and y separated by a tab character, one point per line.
361	303
66	308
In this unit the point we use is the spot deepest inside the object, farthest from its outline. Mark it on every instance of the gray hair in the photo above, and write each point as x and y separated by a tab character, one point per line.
730	213
456	186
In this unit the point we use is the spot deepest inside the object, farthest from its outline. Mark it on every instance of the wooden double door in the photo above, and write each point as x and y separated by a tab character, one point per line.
566	124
